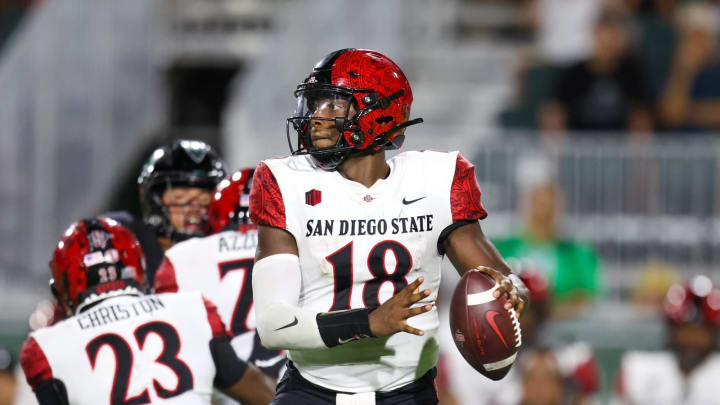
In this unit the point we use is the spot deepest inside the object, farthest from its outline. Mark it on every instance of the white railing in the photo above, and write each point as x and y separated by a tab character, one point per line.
634	202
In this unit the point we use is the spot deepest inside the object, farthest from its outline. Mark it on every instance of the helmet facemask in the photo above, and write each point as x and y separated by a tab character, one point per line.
194	212
317	103
182	164
323	112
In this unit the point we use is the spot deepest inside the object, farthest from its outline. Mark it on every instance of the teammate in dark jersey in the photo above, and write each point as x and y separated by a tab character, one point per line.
175	186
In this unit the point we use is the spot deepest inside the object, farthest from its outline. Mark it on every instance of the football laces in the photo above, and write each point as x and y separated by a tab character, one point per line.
516	327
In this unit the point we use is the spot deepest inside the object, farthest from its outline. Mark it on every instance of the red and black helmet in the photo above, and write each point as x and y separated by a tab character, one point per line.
95	257
230	202
378	90
698	301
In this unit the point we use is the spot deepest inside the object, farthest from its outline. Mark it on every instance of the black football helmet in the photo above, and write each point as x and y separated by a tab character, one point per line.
183	163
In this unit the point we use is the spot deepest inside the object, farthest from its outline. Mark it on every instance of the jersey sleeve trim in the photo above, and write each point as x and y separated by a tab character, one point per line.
447	231
465	202
165	280
266	201
34	363
216	324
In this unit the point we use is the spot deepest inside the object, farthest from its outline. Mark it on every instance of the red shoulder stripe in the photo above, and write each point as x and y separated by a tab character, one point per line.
266	202
34	363
216	324
165	277
465	193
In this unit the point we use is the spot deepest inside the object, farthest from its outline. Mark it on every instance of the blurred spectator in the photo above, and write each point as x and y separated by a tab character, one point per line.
652	282
655	41
7	377
564	28
542	381
571	267
605	92
691	100
688	371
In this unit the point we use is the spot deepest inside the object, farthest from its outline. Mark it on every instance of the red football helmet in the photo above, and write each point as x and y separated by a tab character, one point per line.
230	202
94	257
696	301
539	309
374	85
537	285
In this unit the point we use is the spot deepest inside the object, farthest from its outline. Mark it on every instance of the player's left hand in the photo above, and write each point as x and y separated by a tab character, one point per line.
516	299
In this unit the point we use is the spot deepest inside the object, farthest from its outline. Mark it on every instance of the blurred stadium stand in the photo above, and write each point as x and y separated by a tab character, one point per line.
81	91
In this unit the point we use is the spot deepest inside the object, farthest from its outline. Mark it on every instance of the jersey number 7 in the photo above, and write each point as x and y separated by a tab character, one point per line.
241	311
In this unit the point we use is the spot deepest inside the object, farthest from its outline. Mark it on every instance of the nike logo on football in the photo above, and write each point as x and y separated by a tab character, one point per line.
490	317
406	202
293	323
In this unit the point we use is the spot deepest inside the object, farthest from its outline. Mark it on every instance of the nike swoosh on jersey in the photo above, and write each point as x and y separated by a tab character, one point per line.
406	202
490	317
293	323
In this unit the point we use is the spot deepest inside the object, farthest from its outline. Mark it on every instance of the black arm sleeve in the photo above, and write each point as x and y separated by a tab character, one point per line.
230	369
51	392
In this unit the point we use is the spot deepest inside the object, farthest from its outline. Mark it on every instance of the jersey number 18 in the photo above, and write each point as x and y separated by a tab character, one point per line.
342	262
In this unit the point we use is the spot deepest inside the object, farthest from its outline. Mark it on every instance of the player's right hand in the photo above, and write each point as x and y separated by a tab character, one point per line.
391	317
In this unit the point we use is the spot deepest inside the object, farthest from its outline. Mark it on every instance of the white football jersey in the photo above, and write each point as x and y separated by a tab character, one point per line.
358	246
146	349
654	378
220	267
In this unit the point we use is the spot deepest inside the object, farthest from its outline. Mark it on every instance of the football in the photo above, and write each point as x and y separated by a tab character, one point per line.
487	335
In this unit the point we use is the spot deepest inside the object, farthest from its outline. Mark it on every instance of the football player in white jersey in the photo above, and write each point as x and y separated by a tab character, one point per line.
120	346
350	244
687	373
220	267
